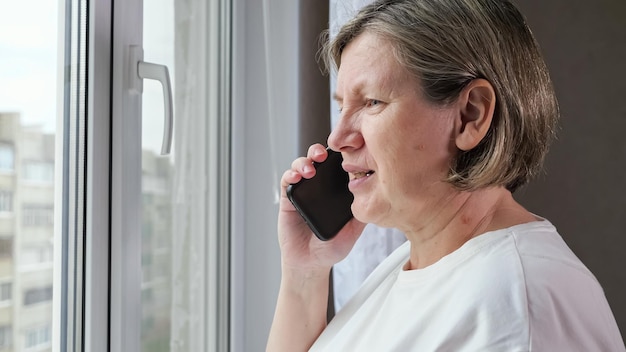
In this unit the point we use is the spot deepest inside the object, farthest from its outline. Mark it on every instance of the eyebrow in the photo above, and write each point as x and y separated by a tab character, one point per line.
356	89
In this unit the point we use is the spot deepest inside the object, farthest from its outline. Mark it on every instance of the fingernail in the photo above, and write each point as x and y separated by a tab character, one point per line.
307	168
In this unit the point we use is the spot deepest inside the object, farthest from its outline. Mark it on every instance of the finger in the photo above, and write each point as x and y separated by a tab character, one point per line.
317	153
304	166
289	177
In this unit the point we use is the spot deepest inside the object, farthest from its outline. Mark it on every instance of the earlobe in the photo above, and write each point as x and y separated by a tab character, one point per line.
477	103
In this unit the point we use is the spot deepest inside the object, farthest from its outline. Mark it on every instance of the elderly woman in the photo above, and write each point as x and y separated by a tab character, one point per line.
446	109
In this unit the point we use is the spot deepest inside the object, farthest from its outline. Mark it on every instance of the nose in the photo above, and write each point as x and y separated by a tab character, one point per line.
346	136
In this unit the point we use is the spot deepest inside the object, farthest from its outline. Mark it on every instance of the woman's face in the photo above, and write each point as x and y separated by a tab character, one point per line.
396	146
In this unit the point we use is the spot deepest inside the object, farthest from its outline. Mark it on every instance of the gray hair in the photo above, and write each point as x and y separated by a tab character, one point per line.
446	44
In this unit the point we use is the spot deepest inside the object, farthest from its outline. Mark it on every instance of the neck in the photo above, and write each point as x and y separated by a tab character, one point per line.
459	218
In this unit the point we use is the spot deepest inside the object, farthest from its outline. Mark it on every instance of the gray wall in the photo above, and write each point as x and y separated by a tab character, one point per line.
584	189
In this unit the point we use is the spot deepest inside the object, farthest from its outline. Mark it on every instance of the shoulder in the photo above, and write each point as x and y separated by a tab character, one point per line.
526	278
534	253
567	308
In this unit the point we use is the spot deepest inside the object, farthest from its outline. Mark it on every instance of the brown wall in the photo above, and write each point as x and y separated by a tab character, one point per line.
584	189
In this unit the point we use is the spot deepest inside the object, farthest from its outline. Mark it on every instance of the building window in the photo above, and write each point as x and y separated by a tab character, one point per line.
6	157
37	295
6	291
6	247
38	171
6	201
38	337
33	255
37	215
5	336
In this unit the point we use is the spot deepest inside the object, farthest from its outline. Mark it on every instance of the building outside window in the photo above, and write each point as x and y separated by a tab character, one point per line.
36	254
6	291
6	201
6	247
37	215
28	117
7	157
38	171
5	336
37	295
37	338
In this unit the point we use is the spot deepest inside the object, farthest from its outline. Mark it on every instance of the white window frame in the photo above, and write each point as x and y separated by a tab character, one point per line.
112	309
81	244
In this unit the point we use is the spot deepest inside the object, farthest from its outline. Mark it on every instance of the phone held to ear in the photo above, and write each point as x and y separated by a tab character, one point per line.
324	201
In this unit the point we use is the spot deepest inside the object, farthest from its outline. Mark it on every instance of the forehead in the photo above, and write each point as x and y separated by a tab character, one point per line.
367	62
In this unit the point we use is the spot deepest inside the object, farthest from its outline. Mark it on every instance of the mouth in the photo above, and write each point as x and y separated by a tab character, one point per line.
361	174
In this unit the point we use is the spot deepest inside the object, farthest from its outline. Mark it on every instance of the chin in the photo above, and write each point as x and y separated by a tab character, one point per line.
358	214
379	213
365	215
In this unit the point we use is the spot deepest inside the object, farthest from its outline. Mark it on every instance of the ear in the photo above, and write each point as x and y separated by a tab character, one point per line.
477	103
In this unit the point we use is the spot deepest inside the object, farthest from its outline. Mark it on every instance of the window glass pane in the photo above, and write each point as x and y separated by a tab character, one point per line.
37	295
6	200
37	215
37	339
5	336
39	170
157	172
6	292
176	265
28	107
6	157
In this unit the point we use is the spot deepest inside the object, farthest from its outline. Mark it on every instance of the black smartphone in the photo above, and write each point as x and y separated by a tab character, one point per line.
324	201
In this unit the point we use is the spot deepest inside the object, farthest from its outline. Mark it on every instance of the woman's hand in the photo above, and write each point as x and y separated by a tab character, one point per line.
300	313
300	249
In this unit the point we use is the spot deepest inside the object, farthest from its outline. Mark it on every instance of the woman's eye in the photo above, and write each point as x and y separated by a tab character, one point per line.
373	103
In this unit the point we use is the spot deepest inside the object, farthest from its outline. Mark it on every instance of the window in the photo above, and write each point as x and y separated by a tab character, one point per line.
38	337
33	255
178	192
34	215
6	201
38	171
34	77
6	247
6	157
6	291
186	210
5	336
37	295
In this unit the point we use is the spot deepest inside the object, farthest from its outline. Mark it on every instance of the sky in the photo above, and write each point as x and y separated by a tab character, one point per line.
28	60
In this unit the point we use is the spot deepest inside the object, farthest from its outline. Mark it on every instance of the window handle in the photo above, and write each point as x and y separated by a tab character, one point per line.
147	70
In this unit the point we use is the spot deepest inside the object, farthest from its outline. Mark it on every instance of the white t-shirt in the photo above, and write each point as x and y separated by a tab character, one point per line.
515	289
373	246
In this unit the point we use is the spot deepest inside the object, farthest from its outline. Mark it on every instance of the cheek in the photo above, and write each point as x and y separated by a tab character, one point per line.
423	153
436	139
410	144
